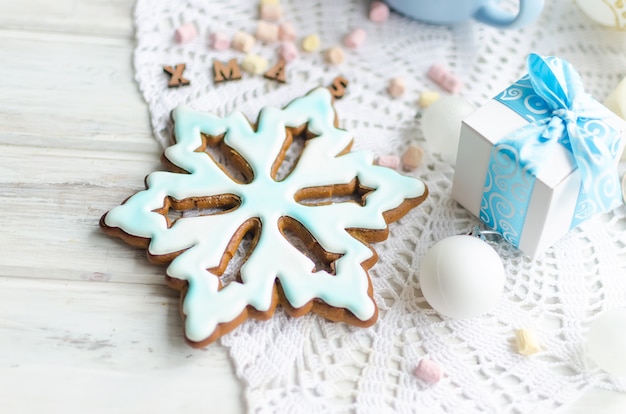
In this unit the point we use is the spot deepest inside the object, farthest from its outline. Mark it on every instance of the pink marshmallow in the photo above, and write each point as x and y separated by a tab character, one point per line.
334	55
219	41
412	157
272	12
440	75
243	42
428	371
389	161
396	87
267	32
379	12
287	31
355	38
288	51
185	33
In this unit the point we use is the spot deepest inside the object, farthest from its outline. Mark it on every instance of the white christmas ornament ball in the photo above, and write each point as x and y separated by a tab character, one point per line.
606	13
462	277
606	341
441	124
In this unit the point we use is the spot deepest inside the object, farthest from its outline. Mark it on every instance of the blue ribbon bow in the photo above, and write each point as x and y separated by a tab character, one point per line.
553	99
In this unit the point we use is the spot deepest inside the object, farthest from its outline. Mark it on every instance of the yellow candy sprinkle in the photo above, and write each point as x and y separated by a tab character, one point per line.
427	98
527	342
311	43
254	64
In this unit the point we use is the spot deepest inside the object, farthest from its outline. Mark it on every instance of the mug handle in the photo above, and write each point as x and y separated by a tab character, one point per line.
493	15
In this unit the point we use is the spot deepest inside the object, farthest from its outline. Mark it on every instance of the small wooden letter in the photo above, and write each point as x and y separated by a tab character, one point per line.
229	72
338	87
277	72
176	76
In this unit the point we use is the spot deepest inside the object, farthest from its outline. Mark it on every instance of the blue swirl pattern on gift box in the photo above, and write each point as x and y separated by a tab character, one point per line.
552	99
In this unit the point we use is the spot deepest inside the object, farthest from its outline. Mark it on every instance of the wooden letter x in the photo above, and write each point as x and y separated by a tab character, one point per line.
176	74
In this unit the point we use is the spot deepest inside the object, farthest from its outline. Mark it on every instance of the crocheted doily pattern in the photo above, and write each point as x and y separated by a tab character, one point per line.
307	364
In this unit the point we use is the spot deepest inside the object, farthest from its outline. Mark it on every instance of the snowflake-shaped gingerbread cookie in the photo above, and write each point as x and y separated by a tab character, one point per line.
308	233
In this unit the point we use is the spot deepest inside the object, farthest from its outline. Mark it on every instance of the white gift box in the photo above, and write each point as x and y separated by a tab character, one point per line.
557	183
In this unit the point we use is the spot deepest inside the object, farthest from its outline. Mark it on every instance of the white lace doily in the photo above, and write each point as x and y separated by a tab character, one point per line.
308	365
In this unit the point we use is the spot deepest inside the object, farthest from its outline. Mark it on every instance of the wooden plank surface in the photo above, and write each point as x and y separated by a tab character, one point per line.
80	352
87	325
71	91
61	195
94	17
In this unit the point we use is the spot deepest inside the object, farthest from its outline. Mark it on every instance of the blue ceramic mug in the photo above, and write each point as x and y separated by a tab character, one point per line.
457	11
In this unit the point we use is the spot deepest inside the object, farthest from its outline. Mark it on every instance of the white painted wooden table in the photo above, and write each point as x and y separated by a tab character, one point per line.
87	325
